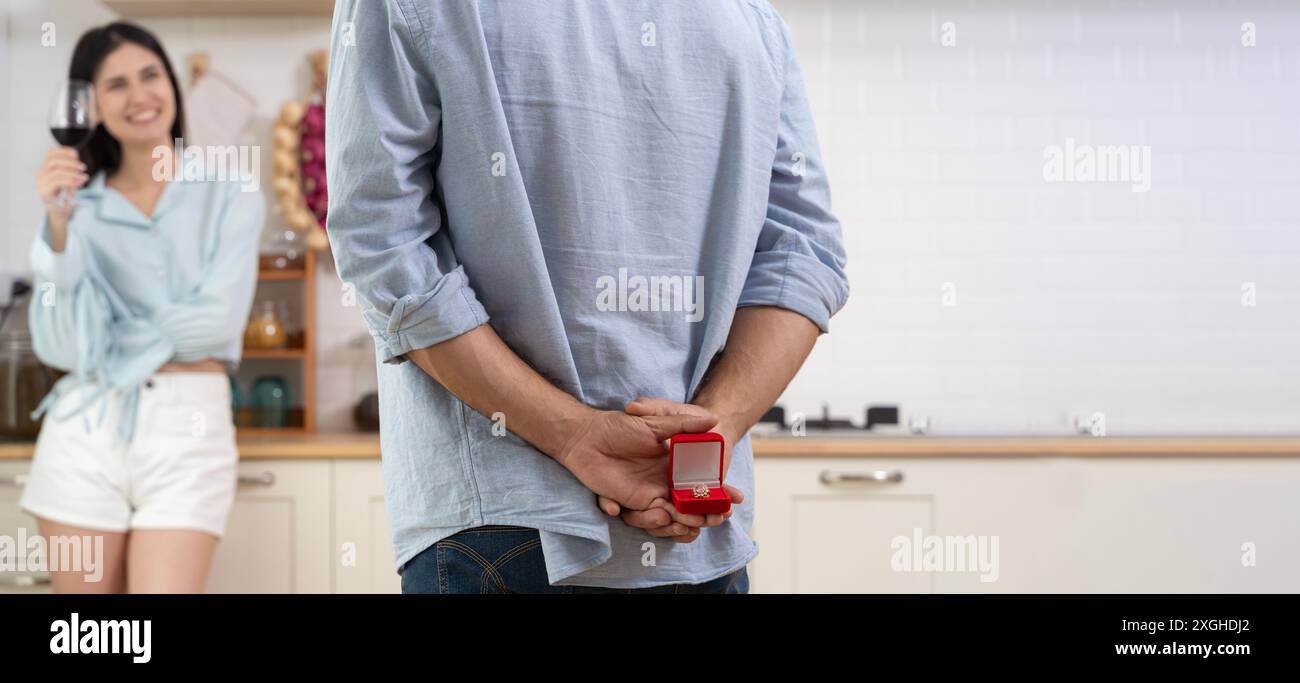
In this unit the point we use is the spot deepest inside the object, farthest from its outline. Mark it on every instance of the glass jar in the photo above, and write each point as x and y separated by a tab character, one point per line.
282	250
24	381
271	402
294	338
265	330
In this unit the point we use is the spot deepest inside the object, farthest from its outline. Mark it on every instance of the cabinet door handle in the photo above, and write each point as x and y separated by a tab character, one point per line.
16	480
263	479
830	478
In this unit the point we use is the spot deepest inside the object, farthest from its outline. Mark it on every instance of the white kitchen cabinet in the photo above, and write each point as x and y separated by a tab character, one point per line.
277	539
1179	526
17	525
825	525
1126	524
1061	524
363	548
278	536
1011	505
286	533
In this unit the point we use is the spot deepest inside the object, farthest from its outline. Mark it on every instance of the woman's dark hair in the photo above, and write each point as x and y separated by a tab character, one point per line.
103	152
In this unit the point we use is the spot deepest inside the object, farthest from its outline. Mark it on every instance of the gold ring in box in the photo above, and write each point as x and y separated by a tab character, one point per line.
701	491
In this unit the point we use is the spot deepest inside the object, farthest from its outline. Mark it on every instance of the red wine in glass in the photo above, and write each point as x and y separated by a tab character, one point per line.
72	137
72	121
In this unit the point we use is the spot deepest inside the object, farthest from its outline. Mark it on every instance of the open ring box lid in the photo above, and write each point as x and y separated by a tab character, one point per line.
695	459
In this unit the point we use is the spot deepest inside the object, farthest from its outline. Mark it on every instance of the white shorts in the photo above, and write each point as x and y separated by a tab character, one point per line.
178	472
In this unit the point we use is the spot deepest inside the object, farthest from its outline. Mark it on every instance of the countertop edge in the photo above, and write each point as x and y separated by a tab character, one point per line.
366	446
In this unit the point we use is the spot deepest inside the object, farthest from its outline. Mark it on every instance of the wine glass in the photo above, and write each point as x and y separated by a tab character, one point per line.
72	120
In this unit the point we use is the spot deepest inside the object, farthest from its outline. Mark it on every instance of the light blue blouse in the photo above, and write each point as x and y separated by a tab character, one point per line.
130	293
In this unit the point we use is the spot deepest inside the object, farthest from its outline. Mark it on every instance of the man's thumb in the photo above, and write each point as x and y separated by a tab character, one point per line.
608	506
665	426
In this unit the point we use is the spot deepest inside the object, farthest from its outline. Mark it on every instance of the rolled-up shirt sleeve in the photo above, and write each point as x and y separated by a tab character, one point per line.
389	242
799	259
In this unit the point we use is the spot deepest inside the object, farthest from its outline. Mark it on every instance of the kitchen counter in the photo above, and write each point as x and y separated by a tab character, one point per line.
328	446
1026	446
344	446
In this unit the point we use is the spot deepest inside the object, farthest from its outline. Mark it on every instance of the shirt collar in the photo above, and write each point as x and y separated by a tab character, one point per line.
95	188
111	205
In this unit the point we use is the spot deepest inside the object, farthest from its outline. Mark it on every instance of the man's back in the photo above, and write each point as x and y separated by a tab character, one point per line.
603	183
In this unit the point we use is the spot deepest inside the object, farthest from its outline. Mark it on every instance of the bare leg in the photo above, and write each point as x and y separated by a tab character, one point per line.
102	564
169	560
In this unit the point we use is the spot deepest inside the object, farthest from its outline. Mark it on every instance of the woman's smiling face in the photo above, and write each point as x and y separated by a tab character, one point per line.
135	98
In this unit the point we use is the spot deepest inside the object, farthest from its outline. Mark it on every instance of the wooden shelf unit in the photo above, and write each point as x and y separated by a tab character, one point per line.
275	353
276	275
303	417
221	8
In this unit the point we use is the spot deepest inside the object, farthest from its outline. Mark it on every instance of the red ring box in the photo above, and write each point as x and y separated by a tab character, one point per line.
695	459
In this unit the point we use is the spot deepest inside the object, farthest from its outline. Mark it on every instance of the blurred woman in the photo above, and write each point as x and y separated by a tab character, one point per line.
142	291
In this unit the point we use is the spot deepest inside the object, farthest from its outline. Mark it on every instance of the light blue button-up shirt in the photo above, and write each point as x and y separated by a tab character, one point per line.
602	182
130	293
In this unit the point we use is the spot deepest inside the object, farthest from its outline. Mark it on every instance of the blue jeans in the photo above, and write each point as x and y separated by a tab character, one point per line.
508	559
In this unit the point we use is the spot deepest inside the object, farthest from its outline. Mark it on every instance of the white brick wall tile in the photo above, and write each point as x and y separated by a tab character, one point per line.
900	168
1182	63
1218	26
986	98
927	132
1119	130
1002	204
1016	64
1039	26
906	25
990	169
1278	207
1125	24
1226	207
862	132
1262	63
1034	131
937	64
911	98
1130	98
935	203
1240	98
1176	206
1197	132
1253	168
1087	62
1274	132
992	132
